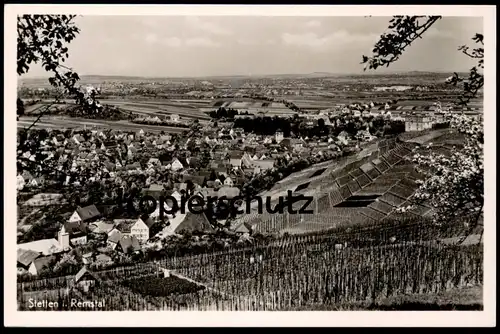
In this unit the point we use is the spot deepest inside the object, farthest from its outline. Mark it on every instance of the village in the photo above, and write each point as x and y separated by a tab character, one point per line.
105	165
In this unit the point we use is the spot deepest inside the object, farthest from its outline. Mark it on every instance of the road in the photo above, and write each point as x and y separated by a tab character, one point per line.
61	122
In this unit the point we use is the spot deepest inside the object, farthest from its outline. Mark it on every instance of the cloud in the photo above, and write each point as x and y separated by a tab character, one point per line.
172	41
255	42
200	41
156	40
339	38
247	41
203	25
151	38
150	22
313	24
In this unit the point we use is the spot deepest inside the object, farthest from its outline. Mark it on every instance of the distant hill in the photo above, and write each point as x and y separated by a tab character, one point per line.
88	79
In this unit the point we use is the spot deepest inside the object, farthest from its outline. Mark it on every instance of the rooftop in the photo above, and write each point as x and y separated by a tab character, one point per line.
44	246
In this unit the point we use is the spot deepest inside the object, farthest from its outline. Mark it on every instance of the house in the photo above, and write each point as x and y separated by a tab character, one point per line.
181	187
87	258
154	190
239	181
193	161
127	244
20	183
73	233
154	162
165	138
246	160
27	176
176	165
144	228
41	263
174	117
228	192
36	182
343	138
418	123
243	229
85	279
365	135
102	135
78	139
207	192
133	167
25	258
109	166
101	227
286	142
210	184
235	159
194	222
114	237
43	246
103	260
278	136
228	182
263	164
196	179
177	195
87	213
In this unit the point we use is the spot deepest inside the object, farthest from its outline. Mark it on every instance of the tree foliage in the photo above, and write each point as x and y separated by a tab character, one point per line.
44	39
455	184
20	107
403	31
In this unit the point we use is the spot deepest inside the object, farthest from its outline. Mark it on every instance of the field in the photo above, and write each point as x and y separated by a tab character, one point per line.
185	109
159	107
60	122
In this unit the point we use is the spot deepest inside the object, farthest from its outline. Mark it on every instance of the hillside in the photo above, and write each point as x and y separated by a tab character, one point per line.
355	191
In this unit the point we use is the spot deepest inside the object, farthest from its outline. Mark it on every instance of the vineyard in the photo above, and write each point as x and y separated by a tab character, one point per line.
356	190
161	286
350	265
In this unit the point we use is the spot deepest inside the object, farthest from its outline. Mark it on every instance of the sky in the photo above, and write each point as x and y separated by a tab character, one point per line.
190	46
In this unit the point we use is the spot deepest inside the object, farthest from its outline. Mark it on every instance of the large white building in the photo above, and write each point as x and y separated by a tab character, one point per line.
418	123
